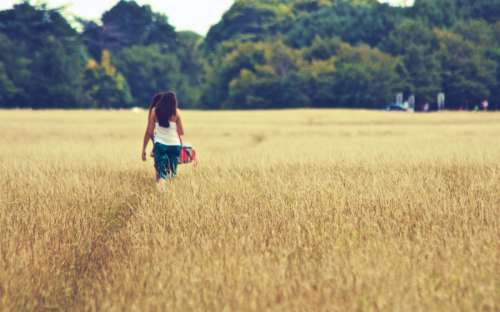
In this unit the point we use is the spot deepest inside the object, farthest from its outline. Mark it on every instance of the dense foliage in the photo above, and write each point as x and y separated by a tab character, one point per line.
262	54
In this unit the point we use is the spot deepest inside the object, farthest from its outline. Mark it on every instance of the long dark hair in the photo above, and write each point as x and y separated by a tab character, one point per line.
155	100
166	107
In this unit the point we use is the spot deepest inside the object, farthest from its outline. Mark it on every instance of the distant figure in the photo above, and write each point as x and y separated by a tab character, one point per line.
426	107
406	105
165	130
485	105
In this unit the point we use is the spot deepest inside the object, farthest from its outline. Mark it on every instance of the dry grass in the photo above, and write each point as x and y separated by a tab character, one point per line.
288	211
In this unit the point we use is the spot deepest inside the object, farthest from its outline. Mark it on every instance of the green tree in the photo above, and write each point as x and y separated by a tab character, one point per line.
322	48
228	66
322	75
248	20
150	54
192	67
416	45
13	73
148	70
56	76
128	24
468	75
365	77
488	10
47	65
353	22
7	87
437	12
496	31
478	32
275	83
105	86
494	55
263	53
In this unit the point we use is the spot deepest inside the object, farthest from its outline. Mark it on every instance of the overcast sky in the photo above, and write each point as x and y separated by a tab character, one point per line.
195	15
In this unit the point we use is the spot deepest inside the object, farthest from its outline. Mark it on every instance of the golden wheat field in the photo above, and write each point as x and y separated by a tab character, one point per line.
302	210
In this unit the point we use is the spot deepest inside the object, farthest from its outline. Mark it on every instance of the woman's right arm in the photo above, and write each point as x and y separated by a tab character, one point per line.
149	134
180	126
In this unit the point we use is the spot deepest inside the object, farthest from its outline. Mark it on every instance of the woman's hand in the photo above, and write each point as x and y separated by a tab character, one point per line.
143	156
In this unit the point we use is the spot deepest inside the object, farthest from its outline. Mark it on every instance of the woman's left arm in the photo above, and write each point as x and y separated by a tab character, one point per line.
149	135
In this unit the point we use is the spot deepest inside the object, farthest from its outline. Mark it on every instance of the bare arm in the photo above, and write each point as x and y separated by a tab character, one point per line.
149	133
180	127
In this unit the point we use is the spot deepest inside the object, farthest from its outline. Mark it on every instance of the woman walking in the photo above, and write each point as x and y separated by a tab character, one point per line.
165	130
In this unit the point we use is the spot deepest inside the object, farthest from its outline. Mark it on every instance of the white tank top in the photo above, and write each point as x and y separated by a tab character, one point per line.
167	136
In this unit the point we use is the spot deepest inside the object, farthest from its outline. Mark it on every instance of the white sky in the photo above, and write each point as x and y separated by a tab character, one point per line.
195	15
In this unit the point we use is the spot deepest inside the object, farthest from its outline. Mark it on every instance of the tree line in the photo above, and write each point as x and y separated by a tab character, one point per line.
262	54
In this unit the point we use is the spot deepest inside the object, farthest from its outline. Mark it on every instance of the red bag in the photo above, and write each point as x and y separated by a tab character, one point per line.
188	155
